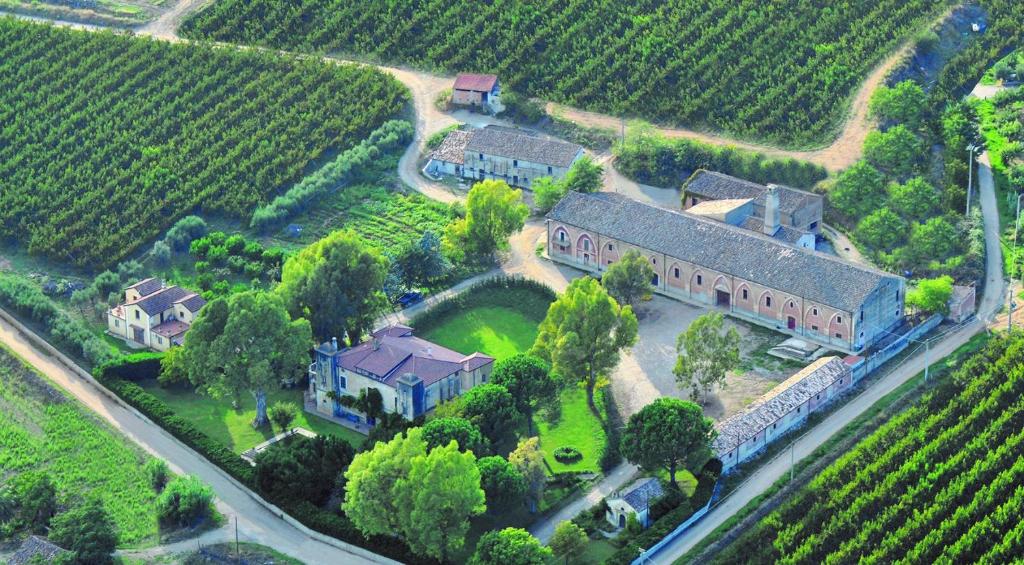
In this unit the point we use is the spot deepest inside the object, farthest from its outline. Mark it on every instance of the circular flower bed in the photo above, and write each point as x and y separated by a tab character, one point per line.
567	455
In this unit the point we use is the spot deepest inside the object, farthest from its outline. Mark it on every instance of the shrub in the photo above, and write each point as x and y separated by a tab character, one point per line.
158	473
567	455
282	414
302	468
237	263
184	501
653	159
133	367
184	231
161	253
87	531
235	244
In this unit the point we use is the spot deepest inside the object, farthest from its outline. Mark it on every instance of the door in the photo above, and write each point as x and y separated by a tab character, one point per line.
791	323
721	298
139	335
622	520
656	280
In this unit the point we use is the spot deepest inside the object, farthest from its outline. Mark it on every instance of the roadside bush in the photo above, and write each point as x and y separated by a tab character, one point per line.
302	468
567	455
133	367
28	300
185	501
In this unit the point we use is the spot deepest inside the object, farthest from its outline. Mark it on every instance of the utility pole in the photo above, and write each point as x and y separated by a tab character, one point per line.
970	178
792	459
238	555
927	360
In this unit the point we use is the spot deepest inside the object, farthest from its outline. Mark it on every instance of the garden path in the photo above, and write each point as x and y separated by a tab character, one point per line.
613	481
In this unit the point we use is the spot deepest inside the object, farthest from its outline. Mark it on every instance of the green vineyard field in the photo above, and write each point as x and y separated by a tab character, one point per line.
940	483
107	139
776	71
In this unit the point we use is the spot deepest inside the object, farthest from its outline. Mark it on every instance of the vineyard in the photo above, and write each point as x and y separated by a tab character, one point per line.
43	430
776	71
940	483
106	139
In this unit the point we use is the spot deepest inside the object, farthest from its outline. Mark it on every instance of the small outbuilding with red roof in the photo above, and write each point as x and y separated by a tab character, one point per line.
480	90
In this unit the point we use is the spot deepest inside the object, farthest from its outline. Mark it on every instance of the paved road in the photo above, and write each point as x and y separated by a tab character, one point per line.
255	522
992	301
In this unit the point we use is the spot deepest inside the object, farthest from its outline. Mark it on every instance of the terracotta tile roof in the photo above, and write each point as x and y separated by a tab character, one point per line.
475	82
781	400
505	143
718	186
453	148
394	351
724	248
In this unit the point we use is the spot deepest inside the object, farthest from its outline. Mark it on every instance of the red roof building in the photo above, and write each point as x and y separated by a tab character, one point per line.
476	90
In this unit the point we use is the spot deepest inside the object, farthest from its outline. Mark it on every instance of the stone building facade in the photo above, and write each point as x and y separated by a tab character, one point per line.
494	152
748	275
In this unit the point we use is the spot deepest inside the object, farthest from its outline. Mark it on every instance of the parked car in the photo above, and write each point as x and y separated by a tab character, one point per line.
408	299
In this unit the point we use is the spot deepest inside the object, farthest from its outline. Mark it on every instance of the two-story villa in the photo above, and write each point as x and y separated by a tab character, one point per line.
154	315
495	152
412	375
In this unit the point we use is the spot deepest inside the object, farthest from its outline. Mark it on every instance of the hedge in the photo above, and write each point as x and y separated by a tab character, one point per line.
133	367
664	526
323	521
659	161
528	297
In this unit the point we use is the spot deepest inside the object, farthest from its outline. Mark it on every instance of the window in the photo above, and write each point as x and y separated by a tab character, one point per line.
137	315
117	323
814	328
342	382
160	340
653	260
481	156
839	335
515	162
609	262
839	319
797	409
768	301
609	247
526	180
790	303
817	396
814	311
693	201
675	272
744	294
561	236
700	280
775	426
549	170
862	315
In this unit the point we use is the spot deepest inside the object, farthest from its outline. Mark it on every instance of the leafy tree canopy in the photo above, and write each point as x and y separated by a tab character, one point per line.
931	295
882	230
87	531
668	433
494	211
528	379
439	432
858	190
706	352
511	546
628	280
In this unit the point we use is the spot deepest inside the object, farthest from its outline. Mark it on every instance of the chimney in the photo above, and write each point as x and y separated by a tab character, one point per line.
376	343
334	343
771	210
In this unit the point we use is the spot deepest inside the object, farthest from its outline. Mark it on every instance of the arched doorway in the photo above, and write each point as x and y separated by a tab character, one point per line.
791	322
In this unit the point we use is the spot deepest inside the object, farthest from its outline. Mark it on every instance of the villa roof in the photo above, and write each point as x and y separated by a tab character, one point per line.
507	143
147	286
192	302
475	82
718	186
453	148
642	493
781	400
160	300
724	248
394	351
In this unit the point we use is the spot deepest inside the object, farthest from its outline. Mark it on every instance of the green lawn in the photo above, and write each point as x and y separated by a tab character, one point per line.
42	429
577	427
501	332
497	331
217	419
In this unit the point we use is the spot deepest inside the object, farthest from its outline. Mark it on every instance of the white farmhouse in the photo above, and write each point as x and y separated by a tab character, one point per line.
154	315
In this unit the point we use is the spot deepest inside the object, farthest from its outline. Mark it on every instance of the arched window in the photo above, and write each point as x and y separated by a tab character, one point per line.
768	301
